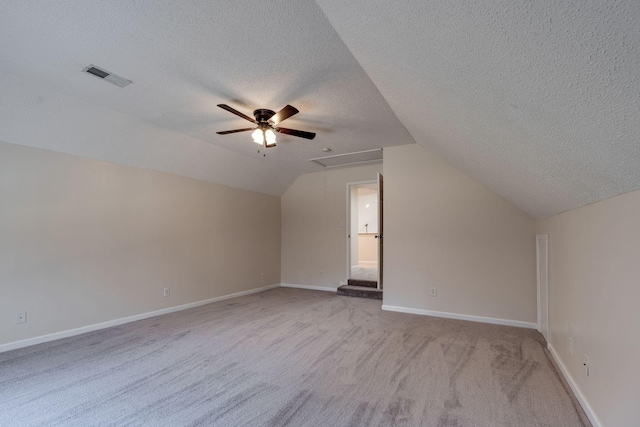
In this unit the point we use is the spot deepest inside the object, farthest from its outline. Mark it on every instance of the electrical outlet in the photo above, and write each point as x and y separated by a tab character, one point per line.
434	292
262	276
585	364
167	292
570	345
21	317
321	274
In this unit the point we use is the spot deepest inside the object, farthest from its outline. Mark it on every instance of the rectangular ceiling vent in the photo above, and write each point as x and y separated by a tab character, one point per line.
106	75
357	158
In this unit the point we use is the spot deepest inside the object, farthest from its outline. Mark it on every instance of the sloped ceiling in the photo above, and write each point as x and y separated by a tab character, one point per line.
184	58
539	101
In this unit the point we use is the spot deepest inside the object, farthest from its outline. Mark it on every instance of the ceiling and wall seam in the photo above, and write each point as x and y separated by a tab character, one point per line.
537	101
186	59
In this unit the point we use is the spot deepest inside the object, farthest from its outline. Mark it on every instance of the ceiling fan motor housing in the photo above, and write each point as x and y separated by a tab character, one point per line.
263	115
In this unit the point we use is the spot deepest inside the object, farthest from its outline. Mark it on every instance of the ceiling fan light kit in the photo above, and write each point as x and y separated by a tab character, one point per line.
264	137
267	120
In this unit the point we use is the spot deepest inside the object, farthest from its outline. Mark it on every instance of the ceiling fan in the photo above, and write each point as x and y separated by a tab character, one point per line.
267	121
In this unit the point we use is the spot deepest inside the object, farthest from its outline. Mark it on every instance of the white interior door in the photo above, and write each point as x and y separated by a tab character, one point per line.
359	222
380	228
542	256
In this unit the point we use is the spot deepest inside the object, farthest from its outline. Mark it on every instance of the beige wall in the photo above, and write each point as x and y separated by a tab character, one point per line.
84	241
445	230
594	297
313	226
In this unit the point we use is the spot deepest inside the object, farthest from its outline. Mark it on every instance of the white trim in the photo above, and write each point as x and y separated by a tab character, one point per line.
539	239
506	322
347	231
348	222
380	218
576	390
116	322
309	287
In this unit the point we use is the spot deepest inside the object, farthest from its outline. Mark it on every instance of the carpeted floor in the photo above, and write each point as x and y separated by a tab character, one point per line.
364	272
288	357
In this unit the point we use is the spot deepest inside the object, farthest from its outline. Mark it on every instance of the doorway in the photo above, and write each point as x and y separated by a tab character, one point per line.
364	235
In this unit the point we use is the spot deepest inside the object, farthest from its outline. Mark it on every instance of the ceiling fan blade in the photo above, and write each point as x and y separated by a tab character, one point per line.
234	131
236	112
284	114
300	133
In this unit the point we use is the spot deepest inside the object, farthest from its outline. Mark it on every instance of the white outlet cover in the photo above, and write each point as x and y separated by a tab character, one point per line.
21	317
434	292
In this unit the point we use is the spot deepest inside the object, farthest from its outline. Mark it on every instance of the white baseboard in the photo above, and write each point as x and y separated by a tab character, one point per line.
506	322
576	390
314	288
116	322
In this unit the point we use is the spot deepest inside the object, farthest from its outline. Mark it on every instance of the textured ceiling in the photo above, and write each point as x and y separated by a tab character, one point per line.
184	58
537	100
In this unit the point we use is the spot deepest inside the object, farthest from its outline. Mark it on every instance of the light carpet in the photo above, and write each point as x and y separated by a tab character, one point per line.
364	272
288	357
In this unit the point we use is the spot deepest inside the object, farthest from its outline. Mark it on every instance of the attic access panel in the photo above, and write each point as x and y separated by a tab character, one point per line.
360	157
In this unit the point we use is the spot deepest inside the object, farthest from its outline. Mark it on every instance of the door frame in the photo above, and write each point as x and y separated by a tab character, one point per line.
380	181
348	222
543	285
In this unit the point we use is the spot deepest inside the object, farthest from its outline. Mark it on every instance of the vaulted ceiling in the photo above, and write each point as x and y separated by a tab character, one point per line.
539	101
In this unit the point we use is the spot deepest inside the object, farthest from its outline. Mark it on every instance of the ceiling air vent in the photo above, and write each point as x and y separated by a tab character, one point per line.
106	75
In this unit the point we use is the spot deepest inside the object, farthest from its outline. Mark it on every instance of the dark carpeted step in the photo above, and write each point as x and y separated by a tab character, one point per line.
360	291
362	283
